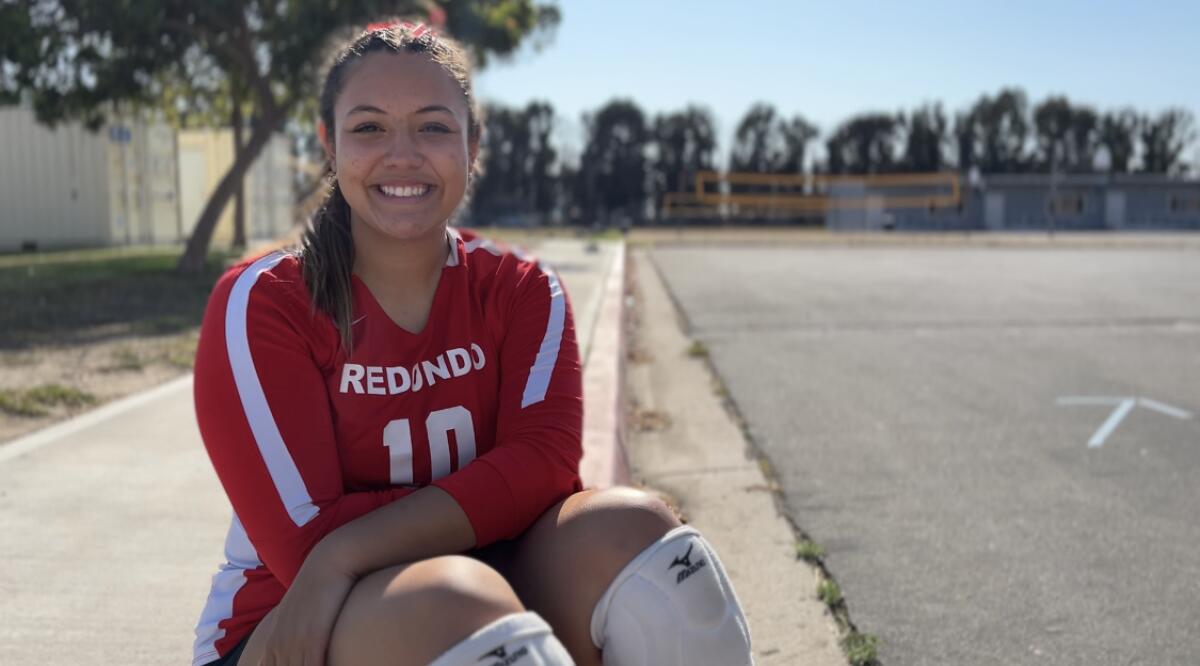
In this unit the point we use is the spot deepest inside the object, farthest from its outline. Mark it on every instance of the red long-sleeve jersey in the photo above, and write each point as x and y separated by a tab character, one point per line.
485	403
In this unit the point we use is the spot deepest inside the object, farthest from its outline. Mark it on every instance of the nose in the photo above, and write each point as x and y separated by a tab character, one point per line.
404	151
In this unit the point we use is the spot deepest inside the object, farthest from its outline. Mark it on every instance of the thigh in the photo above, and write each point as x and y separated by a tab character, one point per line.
417	610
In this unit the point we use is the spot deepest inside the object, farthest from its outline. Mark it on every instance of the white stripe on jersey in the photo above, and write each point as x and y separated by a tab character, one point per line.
483	243
547	357
240	557
280	464
452	238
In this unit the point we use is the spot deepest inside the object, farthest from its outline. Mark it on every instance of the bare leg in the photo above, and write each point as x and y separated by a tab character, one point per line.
408	615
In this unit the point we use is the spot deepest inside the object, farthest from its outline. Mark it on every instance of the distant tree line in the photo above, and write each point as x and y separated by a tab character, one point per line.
631	160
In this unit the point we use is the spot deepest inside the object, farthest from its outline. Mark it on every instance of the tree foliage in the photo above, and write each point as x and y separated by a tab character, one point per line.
1067	136
1164	138
993	133
683	144
765	142
924	139
519	160
1118	136
612	171
865	144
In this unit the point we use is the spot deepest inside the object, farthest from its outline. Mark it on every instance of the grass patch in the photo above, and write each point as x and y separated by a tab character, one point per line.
181	353
37	401
810	551
57	298
829	592
125	359
18	359
697	349
861	649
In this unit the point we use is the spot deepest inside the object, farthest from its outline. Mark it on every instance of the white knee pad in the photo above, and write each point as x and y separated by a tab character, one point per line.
519	639
672	605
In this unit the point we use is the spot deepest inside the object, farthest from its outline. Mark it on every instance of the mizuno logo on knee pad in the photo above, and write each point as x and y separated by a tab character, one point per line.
685	561
517	639
505	659
644	620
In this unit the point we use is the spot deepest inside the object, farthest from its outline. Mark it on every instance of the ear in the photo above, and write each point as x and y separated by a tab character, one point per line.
323	136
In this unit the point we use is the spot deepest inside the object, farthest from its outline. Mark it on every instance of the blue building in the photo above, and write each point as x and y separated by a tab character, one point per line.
1028	202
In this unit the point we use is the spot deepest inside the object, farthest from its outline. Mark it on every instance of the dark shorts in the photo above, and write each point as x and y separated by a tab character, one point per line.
231	659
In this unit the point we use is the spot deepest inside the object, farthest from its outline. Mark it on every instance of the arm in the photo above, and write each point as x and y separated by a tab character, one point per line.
264	416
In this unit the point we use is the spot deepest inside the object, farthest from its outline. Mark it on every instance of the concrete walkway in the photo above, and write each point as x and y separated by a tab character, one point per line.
114	522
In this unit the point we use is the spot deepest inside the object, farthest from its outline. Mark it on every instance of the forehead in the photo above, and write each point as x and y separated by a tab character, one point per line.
399	83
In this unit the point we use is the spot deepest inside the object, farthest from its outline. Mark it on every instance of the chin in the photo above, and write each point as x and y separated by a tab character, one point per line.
404	229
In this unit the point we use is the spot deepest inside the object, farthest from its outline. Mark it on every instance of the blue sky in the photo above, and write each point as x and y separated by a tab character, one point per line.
830	60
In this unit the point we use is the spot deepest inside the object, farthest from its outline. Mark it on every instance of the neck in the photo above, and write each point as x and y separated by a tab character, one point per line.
400	265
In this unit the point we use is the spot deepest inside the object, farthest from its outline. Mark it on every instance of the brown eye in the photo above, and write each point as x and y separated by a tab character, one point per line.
365	127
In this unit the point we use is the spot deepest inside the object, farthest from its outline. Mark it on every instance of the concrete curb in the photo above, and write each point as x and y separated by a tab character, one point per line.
604	462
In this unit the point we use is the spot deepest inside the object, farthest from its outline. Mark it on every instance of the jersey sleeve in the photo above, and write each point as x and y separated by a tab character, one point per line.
264	416
539	426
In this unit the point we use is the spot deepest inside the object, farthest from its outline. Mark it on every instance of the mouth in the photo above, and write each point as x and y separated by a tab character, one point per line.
404	193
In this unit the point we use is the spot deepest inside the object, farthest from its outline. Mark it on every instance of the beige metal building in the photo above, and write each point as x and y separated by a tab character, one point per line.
132	183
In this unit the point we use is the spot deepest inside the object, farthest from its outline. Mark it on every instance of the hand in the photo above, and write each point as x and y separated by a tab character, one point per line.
304	619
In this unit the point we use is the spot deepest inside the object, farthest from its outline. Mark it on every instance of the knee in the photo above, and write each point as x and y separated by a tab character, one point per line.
427	606
617	523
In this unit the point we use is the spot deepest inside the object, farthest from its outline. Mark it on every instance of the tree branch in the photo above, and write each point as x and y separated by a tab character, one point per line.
257	81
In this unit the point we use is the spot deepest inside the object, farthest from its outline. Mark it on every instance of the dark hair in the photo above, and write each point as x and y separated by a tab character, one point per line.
327	249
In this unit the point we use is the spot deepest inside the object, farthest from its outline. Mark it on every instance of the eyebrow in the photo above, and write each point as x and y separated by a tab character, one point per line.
367	108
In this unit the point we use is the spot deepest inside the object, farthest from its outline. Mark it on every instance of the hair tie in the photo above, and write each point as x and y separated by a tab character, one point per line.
417	29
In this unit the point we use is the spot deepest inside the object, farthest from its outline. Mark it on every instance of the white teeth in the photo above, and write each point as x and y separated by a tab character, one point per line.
414	191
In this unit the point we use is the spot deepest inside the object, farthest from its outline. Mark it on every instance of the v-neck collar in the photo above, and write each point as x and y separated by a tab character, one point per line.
453	260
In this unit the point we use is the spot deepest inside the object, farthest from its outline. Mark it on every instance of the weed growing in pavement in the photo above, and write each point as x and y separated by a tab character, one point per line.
810	551
37	400
719	390
606	234
829	592
697	350
860	648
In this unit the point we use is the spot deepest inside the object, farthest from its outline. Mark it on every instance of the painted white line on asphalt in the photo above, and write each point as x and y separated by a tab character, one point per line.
36	440
1111	424
1164	408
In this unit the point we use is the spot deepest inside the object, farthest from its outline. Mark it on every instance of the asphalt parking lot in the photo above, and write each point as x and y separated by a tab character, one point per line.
998	446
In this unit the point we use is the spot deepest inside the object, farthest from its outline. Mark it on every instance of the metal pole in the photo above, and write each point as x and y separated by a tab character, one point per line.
1053	186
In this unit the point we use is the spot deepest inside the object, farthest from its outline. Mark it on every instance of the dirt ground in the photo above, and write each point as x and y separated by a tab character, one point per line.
106	370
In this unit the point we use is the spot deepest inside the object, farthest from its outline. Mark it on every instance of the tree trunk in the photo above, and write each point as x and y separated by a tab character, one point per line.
196	252
239	200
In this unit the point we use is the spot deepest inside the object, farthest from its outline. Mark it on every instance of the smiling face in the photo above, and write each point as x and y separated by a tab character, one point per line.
400	146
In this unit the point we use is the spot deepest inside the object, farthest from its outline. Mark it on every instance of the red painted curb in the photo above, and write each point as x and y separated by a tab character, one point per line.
604	463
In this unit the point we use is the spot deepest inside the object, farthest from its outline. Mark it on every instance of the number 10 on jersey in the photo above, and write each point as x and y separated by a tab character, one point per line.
397	437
